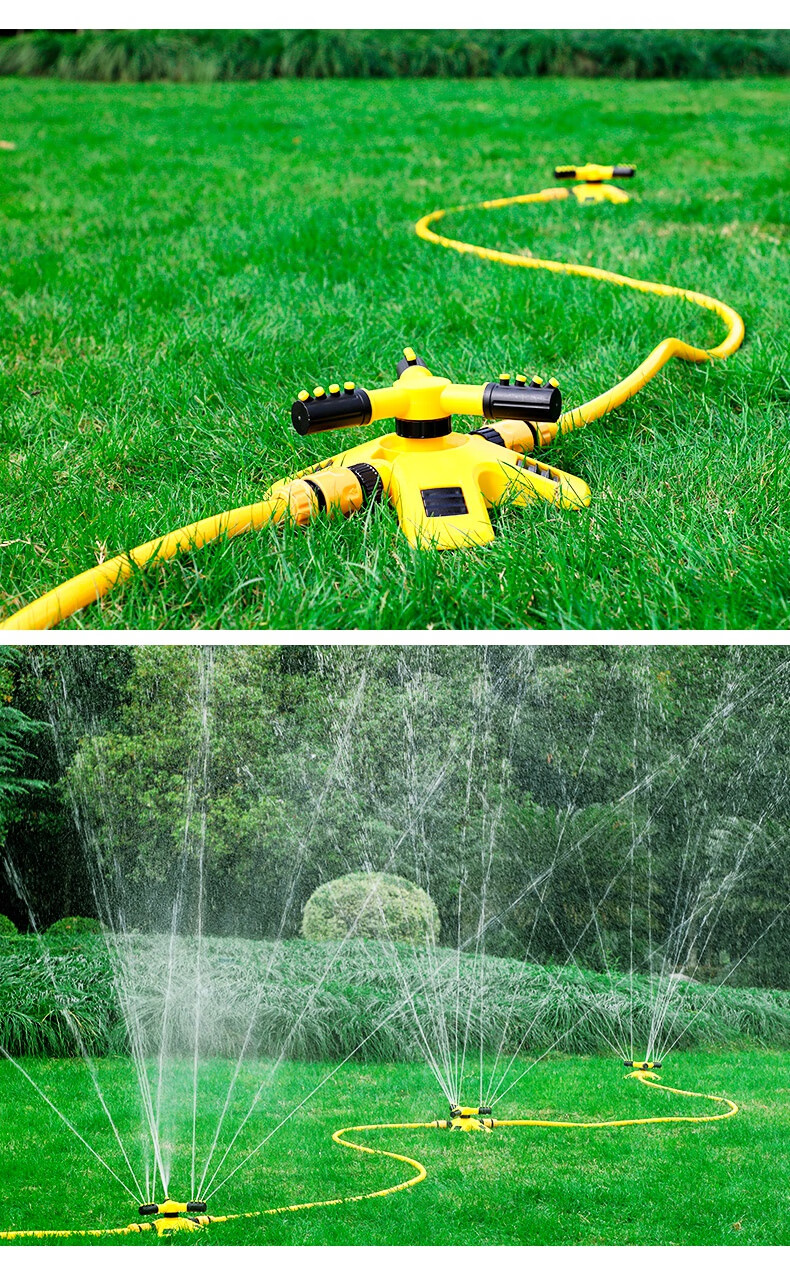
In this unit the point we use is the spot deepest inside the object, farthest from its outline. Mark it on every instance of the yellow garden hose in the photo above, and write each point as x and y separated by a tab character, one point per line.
670	348
66	599
200	1221
650	1081
339	1138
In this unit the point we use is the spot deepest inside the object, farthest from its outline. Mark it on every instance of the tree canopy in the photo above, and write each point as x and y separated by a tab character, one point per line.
583	797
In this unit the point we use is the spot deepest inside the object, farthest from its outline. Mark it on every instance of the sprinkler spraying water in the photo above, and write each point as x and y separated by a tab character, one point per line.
175	1217
548	904
469	1118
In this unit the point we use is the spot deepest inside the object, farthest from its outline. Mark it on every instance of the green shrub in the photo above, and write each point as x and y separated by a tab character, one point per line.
73	926
370	905
7	927
313	1001
200	56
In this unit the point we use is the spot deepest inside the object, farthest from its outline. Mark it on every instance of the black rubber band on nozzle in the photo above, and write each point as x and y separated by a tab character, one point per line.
196	1206
623	170
318	415
148	1209
541	403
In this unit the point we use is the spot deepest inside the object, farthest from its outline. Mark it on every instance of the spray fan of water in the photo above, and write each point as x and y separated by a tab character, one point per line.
581	908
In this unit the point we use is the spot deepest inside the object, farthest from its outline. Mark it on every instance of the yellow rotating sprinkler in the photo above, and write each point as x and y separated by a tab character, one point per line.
441	483
641	1066
468	1118
594	179
175	1217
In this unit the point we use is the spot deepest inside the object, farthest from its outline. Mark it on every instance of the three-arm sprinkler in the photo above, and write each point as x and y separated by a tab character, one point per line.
175	1217
440	481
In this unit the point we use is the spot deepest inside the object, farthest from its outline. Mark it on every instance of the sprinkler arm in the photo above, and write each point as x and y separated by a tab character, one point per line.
593	172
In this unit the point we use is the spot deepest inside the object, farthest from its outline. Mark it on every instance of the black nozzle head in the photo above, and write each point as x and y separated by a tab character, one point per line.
148	1209
623	170
199	1207
541	404
485	1111
333	411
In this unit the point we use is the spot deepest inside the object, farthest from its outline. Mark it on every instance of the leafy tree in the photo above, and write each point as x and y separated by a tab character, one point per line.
563	803
16	732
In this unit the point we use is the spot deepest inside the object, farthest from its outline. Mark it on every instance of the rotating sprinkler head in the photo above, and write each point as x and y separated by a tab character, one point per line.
468	1118
170	1216
593	178
642	1065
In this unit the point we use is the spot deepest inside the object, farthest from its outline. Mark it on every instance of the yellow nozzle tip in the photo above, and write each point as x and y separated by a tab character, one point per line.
349	384
318	392
555	384
303	396
537	381
521	380
409	354
334	388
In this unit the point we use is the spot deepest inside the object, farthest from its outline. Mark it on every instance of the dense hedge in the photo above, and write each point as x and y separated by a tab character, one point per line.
318	1001
257	55
370	904
7	927
73	925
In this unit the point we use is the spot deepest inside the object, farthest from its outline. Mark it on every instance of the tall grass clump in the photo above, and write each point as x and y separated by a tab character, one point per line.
312	1005
258	55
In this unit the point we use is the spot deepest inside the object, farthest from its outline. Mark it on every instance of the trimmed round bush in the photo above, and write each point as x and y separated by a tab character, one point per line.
73	925
7	927
370	905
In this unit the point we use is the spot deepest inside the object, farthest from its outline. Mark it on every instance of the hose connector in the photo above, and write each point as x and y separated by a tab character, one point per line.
334	489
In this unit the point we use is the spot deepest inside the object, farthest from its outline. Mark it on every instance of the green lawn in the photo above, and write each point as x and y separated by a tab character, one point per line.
716	1183
178	261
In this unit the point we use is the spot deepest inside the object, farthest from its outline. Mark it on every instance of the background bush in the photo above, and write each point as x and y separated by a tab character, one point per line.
73	926
370	905
7	927
257	55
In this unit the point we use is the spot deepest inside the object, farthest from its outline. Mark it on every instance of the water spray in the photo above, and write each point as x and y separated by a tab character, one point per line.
172	1217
